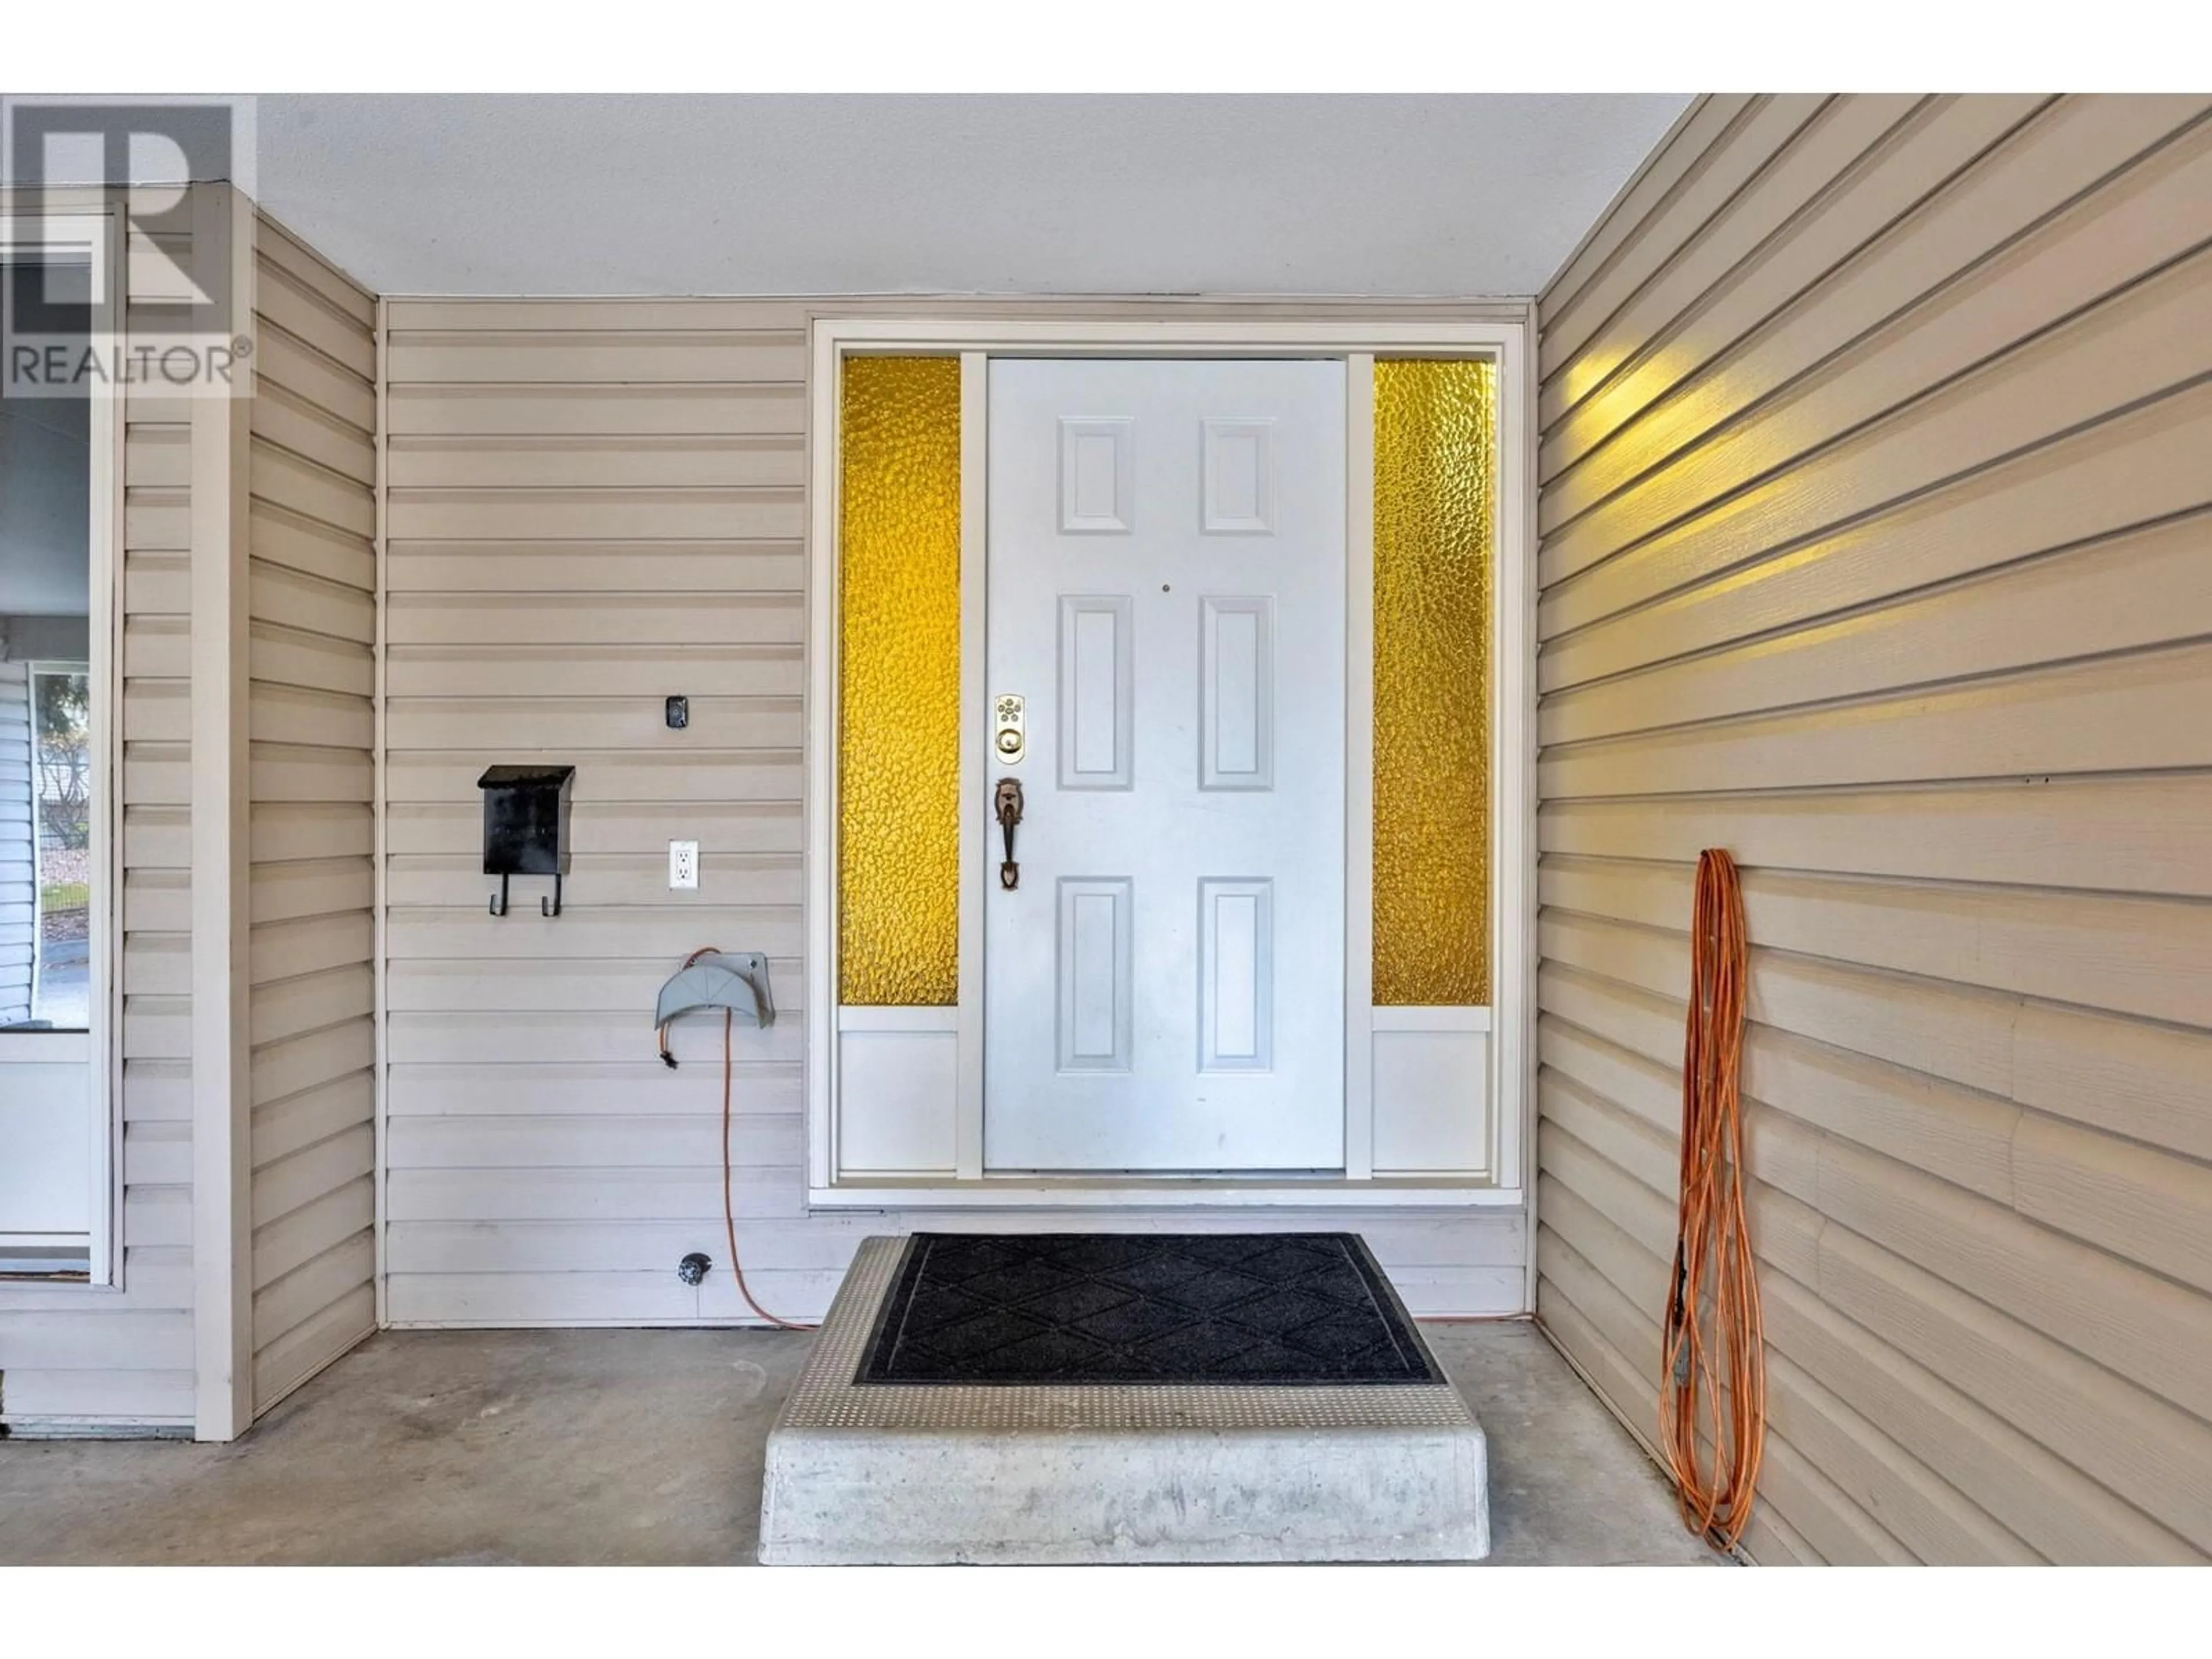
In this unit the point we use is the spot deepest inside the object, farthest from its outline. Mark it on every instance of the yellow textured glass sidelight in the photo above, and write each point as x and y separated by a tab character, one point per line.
1434	476
898	734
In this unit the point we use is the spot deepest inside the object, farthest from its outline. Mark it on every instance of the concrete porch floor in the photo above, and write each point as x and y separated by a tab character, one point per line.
644	1447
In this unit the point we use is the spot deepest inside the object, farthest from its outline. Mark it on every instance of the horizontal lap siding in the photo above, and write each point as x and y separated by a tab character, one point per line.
124	1359
593	504
311	599
1876	545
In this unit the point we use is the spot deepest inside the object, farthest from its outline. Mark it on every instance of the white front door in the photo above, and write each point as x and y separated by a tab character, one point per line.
1164	987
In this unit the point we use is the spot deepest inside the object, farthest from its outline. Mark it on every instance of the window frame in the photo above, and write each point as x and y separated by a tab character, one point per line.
93	234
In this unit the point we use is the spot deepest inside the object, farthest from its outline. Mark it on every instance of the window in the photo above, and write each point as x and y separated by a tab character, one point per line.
57	1139
61	834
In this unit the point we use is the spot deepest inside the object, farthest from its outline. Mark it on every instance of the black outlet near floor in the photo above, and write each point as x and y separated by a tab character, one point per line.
1128	1307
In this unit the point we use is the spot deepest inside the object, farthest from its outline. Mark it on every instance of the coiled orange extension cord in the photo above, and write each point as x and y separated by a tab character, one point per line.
1715	1341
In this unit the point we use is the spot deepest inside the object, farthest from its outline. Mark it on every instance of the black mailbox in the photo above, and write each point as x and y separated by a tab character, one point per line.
525	827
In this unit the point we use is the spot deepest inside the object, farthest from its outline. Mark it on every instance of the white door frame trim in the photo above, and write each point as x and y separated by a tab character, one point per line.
221	811
1331	333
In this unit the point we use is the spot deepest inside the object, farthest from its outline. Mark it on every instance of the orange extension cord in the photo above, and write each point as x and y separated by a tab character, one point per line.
729	1209
1723	1369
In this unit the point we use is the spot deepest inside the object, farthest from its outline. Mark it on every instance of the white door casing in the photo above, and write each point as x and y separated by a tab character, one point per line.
1436	1101
1166	548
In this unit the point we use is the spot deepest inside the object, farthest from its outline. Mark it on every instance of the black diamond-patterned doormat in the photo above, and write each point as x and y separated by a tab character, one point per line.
1178	1308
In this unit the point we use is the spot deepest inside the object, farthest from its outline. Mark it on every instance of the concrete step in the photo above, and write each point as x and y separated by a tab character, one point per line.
906	1474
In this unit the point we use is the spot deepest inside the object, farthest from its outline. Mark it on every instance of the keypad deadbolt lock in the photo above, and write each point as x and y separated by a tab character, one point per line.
1007	738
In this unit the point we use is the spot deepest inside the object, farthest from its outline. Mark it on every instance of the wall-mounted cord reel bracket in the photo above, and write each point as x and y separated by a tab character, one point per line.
735	981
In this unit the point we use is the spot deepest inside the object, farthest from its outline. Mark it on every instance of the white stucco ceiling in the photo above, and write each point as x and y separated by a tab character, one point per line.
1460	195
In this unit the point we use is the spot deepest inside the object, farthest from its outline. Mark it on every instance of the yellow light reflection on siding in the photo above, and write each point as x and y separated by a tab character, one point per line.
1435	502
898	736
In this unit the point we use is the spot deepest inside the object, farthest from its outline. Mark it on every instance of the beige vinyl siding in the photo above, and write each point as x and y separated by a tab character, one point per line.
311	604
19	884
105	1358
593	504
1876	550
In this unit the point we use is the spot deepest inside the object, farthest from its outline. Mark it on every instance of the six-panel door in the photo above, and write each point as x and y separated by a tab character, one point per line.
1164	988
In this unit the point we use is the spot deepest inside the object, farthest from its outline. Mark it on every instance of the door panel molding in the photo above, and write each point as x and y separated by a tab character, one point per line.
1236	975
1097	691
1236	693
1240	478
1094	973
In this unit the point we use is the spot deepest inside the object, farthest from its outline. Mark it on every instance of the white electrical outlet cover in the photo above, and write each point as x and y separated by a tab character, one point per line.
682	864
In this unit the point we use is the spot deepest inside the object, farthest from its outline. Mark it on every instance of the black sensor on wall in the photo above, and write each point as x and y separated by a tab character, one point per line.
679	712
525	827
